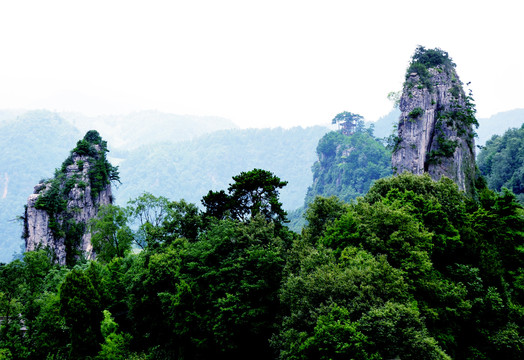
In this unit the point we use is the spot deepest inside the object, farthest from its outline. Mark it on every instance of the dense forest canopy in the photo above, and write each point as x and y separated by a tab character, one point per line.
383	267
37	142
348	163
501	162
414	270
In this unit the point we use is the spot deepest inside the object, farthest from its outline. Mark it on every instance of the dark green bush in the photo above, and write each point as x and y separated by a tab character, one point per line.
415	113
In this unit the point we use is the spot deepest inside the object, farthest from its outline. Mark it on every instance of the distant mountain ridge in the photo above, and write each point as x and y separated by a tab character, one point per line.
190	169
498	124
154	157
136	129
178	164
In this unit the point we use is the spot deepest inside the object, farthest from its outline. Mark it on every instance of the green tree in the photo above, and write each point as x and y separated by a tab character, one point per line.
501	162
216	297
11	307
460	256
349	122
321	213
329	303
253	192
184	220
149	212
80	307
116	344
111	237
234	273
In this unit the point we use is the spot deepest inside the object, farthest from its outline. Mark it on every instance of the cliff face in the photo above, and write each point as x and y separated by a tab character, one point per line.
435	130
58	212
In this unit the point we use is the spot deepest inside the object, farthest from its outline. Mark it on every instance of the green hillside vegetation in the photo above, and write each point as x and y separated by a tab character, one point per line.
412	270
37	142
188	170
501	162
347	165
498	124
206	264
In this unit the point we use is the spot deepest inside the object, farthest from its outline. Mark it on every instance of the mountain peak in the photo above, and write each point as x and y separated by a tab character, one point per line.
59	210
435	129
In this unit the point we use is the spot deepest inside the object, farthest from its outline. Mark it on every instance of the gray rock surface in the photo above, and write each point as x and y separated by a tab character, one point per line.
80	208
435	133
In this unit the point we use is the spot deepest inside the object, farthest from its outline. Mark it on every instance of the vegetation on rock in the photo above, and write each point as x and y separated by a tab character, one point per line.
441	142
55	194
424	59
386	266
347	165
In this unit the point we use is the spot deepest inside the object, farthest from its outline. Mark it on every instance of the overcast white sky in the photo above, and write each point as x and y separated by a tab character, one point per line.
259	63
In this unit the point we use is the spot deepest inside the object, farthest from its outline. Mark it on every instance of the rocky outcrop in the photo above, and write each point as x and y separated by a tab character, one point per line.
435	130
347	165
58	213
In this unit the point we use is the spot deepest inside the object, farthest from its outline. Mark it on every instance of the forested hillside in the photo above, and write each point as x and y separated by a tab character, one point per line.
35	143
501	162
498	124
413	270
346	167
188	170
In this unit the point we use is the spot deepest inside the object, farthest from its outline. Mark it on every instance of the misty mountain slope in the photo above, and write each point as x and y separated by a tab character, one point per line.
498	124
383	127
501	162
33	145
190	169
133	130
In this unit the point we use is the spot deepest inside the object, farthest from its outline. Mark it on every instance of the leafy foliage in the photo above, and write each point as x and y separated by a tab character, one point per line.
431	57
415	113
347	165
501	162
414	269
432	233
253	192
80	307
424	59
111	237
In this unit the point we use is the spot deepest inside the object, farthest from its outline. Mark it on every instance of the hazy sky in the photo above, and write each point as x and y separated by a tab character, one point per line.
258	63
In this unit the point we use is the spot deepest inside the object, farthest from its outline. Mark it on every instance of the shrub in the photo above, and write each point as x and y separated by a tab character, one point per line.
415	113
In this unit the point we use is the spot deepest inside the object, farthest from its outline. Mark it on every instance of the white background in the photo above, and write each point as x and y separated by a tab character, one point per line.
259	63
